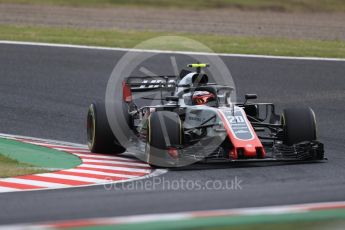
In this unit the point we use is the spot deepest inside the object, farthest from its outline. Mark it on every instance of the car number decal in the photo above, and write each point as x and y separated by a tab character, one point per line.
238	124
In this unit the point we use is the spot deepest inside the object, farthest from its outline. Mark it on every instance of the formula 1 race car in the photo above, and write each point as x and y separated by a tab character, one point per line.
197	121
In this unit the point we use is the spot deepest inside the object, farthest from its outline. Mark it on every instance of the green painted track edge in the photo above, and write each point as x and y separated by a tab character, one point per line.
39	156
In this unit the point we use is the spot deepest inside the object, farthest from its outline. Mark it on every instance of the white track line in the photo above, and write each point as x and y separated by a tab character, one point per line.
102	156
73	150
35	183
76	178
114	162
122	159
69	148
65	143
6	189
59	147
167	51
116	168
100	173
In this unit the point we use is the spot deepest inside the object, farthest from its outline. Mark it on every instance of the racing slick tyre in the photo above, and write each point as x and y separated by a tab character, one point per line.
164	131
100	137
299	125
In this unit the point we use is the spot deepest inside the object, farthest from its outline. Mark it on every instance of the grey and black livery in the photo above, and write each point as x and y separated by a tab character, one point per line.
168	129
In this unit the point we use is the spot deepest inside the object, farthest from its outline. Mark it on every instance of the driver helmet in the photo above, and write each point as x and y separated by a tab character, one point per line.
202	97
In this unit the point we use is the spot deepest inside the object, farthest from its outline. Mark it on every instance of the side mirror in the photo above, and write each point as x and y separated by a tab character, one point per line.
250	96
172	98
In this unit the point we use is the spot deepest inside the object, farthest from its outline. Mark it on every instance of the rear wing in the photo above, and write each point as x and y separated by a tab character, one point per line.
134	84
148	83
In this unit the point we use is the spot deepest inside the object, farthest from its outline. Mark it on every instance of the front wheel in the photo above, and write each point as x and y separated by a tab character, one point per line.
164	133
299	125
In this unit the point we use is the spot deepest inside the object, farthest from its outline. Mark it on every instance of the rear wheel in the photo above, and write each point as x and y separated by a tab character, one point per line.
100	137
164	132
299	125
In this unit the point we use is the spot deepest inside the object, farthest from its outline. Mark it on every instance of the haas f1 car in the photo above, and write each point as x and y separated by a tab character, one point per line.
195	120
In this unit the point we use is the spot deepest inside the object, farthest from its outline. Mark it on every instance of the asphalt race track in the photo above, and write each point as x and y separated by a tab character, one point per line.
45	92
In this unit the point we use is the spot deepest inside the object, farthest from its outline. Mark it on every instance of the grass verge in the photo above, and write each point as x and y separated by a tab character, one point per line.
304	225
219	44
10	168
273	5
